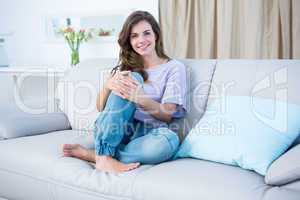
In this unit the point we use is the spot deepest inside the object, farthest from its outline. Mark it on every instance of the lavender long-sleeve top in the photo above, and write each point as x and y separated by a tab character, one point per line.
167	83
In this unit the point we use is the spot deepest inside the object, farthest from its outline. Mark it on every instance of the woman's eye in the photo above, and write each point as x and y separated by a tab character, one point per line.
147	33
133	36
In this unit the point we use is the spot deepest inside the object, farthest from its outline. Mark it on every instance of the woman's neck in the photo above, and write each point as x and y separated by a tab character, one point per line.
153	60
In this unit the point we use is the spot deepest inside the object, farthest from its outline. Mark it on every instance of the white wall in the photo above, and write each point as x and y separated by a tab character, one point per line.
27	46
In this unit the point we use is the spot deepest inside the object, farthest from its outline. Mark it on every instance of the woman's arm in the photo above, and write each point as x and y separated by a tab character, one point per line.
128	88
135	93
161	111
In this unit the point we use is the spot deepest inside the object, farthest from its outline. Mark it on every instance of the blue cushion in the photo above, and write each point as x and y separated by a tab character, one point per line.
243	131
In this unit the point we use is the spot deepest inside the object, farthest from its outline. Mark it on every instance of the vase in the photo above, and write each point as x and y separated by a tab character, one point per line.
74	57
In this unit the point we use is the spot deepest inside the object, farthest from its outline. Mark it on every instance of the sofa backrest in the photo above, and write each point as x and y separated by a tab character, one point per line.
77	91
199	77
277	80
207	80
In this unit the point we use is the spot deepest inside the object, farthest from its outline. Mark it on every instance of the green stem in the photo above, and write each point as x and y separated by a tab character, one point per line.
70	44
74	57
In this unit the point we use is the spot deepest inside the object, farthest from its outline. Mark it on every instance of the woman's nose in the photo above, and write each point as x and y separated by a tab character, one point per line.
141	39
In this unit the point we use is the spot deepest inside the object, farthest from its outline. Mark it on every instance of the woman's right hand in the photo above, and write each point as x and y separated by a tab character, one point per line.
115	83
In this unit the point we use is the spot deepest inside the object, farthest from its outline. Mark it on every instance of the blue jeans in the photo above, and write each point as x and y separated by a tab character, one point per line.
119	135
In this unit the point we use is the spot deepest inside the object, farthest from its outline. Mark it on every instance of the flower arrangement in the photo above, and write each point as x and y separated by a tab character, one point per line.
103	32
74	38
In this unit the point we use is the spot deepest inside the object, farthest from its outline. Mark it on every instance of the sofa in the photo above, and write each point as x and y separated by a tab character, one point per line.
32	165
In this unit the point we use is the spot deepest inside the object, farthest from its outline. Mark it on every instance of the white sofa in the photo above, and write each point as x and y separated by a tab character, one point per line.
32	165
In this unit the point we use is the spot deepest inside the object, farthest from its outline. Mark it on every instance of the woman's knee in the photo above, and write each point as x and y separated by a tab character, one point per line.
162	145
167	135
117	104
138	77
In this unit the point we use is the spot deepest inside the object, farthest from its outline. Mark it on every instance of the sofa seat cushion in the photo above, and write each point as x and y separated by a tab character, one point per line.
34	155
197	179
80	174
26	163
38	162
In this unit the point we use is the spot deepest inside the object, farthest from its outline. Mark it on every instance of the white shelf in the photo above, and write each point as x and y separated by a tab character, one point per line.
38	71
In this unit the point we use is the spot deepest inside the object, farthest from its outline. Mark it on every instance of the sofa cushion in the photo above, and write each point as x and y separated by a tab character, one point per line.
285	169
20	124
272	79
77	92
27	163
260	78
199	73
81	174
232	128
198	179
37	164
30	117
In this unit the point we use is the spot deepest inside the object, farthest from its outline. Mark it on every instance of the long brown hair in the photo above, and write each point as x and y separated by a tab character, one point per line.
128	58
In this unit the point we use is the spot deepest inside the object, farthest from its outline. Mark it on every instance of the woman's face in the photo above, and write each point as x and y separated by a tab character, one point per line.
142	39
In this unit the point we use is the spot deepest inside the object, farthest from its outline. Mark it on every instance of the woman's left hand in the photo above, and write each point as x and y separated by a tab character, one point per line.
134	90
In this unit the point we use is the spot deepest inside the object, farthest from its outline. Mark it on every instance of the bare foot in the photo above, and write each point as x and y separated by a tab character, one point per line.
109	164
78	151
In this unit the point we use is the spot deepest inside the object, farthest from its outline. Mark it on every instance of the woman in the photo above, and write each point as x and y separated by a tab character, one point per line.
143	94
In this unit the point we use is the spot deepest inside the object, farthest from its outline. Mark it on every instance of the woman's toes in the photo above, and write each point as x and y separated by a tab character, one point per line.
131	166
135	165
70	146
67	146
67	154
67	151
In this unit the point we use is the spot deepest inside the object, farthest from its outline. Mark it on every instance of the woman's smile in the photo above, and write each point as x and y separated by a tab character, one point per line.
142	39
143	47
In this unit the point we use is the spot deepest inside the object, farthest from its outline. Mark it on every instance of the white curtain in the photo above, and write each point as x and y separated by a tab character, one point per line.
254	29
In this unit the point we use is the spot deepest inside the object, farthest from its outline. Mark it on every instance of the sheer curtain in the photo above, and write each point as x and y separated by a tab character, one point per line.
254	29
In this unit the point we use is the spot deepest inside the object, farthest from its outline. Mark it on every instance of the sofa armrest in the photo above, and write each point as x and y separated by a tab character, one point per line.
19	124
285	169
